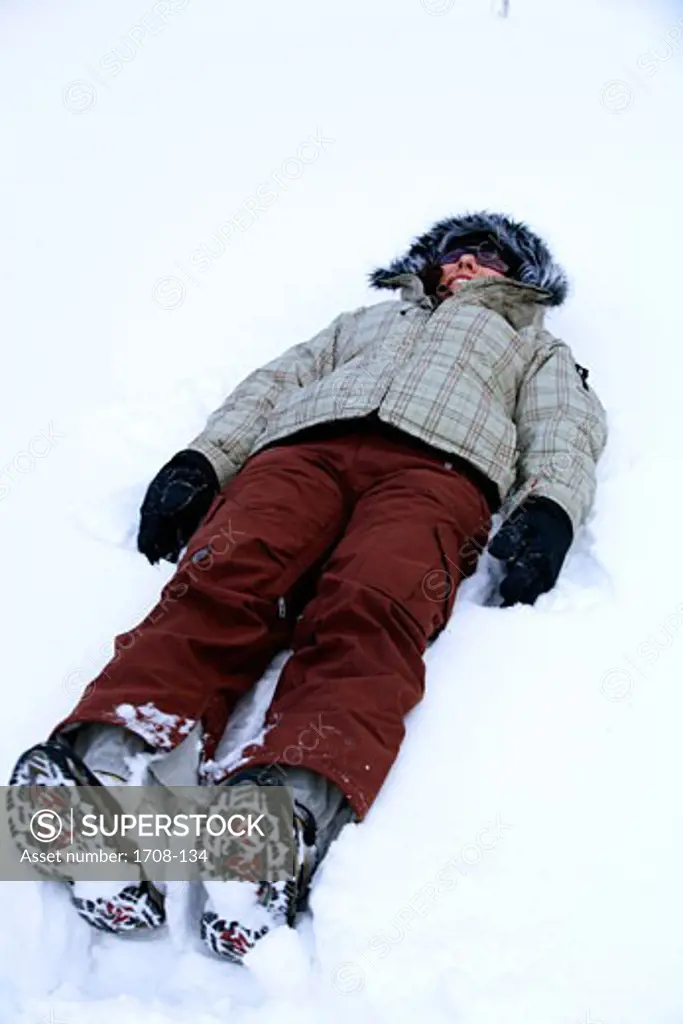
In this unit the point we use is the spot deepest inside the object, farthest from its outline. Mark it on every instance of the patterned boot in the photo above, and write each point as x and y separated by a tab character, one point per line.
239	913
110	907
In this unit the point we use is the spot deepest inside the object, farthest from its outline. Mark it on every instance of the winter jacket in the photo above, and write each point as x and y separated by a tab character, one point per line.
477	375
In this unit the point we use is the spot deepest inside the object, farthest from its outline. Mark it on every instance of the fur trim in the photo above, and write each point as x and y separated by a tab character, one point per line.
532	261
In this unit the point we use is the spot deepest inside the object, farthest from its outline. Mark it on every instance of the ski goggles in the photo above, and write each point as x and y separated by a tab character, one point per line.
485	253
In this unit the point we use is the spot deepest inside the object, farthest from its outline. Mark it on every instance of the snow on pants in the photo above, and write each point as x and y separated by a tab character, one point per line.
344	544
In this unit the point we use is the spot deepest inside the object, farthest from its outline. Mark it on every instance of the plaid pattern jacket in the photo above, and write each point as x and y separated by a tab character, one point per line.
477	375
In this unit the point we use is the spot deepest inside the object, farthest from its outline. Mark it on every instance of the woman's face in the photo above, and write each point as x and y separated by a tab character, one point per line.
465	268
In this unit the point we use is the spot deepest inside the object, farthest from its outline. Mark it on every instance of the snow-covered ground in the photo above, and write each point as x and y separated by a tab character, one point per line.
523	863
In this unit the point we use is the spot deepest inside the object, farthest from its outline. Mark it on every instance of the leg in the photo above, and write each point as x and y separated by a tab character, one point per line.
221	617
217	626
112	754
386	591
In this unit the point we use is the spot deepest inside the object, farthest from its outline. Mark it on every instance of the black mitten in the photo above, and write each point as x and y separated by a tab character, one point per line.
533	543
176	501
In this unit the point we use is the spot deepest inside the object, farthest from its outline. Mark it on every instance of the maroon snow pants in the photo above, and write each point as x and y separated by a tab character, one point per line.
345	544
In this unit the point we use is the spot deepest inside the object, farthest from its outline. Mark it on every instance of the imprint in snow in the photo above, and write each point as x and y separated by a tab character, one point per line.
156	727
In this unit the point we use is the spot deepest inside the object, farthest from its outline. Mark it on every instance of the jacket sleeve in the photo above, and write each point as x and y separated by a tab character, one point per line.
234	428
561	432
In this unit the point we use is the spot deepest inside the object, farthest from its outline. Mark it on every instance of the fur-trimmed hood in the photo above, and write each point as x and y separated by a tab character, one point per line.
532	261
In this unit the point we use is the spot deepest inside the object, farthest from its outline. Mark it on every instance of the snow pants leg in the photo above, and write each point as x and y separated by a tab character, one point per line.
348	549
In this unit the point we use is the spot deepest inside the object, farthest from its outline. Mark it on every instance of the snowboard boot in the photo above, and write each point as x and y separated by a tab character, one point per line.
239	913
242	912
120	907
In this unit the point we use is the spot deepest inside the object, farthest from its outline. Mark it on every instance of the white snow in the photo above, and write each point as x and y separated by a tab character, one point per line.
153	725
237	900
523	862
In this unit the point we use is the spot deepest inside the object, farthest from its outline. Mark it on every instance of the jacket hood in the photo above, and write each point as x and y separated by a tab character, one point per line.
531	260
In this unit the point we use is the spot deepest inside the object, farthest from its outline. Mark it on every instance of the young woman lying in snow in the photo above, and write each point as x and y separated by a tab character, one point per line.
331	507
